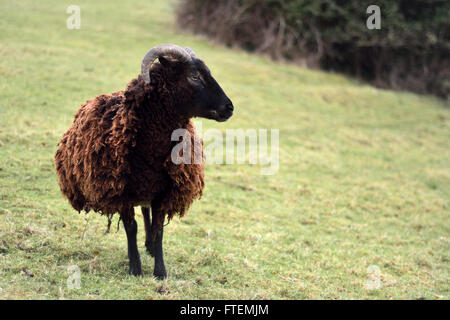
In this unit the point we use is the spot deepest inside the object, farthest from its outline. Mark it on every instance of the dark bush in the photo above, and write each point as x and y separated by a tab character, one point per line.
411	50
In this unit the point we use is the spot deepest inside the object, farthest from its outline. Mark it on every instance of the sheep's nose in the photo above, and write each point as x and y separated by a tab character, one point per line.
229	106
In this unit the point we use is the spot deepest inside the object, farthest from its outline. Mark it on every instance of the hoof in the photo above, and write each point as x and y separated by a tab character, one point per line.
161	276
135	272
135	269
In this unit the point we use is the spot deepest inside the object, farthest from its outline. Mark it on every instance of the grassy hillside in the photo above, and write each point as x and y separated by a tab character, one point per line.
364	174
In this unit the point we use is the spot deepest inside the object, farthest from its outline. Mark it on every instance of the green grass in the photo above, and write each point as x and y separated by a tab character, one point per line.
364	173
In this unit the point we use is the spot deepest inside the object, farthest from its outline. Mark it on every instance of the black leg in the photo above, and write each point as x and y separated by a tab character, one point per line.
160	270
133	253
148	225
157	236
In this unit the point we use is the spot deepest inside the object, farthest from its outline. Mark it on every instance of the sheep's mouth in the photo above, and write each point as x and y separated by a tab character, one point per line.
221	117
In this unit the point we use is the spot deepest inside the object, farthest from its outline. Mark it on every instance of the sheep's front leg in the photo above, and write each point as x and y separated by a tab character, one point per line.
160	270
157	235
148	232
130	226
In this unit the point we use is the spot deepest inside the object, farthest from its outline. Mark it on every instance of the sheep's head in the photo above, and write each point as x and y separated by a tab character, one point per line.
198	94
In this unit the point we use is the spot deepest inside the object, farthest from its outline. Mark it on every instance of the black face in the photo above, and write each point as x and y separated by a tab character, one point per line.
203	97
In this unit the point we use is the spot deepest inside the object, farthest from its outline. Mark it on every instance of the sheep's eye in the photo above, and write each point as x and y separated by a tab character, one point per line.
195	77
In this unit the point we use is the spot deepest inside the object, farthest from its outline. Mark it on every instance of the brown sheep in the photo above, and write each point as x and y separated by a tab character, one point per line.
117	153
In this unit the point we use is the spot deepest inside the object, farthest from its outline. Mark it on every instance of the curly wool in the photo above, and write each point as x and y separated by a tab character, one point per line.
117	153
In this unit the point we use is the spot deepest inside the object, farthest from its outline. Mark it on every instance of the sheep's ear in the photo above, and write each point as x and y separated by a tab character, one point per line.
167	63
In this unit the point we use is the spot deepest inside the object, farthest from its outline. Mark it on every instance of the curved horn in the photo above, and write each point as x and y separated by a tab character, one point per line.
164	49
191	52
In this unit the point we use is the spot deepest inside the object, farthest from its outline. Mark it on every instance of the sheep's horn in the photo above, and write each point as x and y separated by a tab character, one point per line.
163	50
191	52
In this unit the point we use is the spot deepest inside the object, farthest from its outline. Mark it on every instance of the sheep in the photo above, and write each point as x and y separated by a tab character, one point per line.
117	153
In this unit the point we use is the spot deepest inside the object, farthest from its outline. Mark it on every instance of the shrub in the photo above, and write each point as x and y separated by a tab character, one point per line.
410	51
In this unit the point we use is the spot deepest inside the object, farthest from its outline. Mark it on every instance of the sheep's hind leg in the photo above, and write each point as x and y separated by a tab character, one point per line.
148	225
130	226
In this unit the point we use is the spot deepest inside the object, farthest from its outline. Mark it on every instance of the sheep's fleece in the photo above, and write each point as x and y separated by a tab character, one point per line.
117	153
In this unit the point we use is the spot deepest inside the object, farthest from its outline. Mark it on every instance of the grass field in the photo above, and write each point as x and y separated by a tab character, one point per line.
364	176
